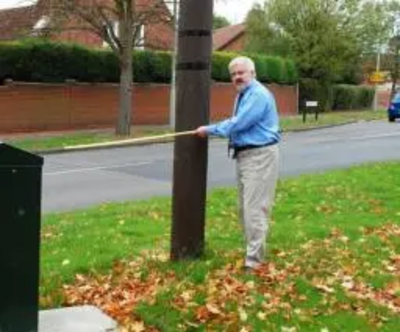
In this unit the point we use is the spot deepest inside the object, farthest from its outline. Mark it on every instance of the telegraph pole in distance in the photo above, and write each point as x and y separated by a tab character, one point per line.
172	97
193	82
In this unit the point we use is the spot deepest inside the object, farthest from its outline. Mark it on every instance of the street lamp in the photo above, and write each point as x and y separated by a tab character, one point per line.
376	81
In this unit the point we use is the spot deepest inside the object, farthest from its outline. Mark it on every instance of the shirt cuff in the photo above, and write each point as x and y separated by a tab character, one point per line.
211	129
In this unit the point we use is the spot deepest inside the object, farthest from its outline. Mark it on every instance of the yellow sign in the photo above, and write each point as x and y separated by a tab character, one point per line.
377	77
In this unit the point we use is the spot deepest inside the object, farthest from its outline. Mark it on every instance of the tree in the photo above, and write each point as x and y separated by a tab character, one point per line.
220	22
119	23
263	36
327	38
313	30
374	28
374	25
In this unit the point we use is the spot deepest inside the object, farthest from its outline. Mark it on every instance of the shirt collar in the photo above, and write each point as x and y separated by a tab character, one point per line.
248	87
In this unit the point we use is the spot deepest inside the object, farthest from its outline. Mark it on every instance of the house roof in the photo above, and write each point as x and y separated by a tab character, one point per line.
224	36
17	22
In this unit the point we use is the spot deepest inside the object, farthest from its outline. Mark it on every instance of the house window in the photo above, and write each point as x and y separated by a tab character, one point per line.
139	43
41	25
115	27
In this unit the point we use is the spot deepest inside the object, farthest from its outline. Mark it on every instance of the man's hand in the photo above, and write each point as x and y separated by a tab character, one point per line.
201	131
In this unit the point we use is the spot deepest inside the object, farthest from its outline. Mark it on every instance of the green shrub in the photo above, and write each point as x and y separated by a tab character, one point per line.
110	66
291	72
44	61
365	97
219	67
275	69
344	97
336	97
313	90
143	73
53	62
162	68
348	97
9	53
261	67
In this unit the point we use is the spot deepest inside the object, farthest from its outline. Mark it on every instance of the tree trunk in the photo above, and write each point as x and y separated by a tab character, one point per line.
125	88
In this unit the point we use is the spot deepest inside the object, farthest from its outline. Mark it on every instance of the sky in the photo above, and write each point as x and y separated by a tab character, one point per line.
234	10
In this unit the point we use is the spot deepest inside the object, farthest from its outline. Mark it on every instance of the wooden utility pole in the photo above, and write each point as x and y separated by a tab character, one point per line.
193	81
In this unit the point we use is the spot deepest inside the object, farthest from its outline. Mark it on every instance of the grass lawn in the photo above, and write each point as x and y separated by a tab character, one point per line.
334	260
331	118
47	142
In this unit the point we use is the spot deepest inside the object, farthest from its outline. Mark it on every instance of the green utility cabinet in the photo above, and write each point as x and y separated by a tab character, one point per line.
20	213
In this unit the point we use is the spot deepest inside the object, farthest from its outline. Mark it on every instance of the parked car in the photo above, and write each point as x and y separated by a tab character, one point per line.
394	108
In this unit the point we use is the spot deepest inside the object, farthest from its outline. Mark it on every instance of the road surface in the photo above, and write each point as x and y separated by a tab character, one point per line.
81	179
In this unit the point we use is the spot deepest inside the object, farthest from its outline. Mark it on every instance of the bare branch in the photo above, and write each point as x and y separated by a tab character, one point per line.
100	18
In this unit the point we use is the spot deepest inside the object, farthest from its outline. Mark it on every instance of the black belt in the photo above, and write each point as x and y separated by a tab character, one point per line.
238	149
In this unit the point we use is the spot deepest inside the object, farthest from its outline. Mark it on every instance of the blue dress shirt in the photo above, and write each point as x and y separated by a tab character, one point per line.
254	121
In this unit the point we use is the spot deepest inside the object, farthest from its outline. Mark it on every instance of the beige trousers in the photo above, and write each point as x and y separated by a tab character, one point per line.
257	174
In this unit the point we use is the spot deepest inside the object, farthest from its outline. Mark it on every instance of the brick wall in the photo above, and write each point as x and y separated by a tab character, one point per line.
40	107
81	37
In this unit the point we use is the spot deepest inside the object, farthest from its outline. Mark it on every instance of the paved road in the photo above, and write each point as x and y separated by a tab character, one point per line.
81	179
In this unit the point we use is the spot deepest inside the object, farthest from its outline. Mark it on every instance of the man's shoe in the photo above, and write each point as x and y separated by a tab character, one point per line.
247	269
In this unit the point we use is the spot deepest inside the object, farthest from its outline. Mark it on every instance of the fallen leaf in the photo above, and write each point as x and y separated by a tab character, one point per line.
136	327
261	315
288	329
213	309
325	288
65	262
243	315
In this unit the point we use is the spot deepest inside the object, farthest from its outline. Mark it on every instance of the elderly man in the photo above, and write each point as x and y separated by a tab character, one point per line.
253	133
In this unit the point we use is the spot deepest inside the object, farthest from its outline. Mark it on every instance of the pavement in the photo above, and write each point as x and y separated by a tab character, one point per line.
76	319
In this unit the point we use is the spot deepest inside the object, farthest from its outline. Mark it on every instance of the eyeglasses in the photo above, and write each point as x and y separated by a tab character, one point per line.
237	73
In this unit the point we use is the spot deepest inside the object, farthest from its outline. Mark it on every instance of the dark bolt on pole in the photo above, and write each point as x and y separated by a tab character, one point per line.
193	81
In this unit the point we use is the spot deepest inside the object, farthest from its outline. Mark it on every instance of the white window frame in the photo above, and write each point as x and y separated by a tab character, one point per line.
115	26
141	38
41	24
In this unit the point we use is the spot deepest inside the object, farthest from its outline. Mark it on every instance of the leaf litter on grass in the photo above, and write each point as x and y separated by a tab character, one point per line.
338	271
237	300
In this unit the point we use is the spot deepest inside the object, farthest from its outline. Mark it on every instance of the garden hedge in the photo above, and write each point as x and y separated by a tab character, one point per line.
335	97
41	61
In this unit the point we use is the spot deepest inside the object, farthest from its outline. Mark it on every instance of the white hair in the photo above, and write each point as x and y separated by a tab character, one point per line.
243	60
